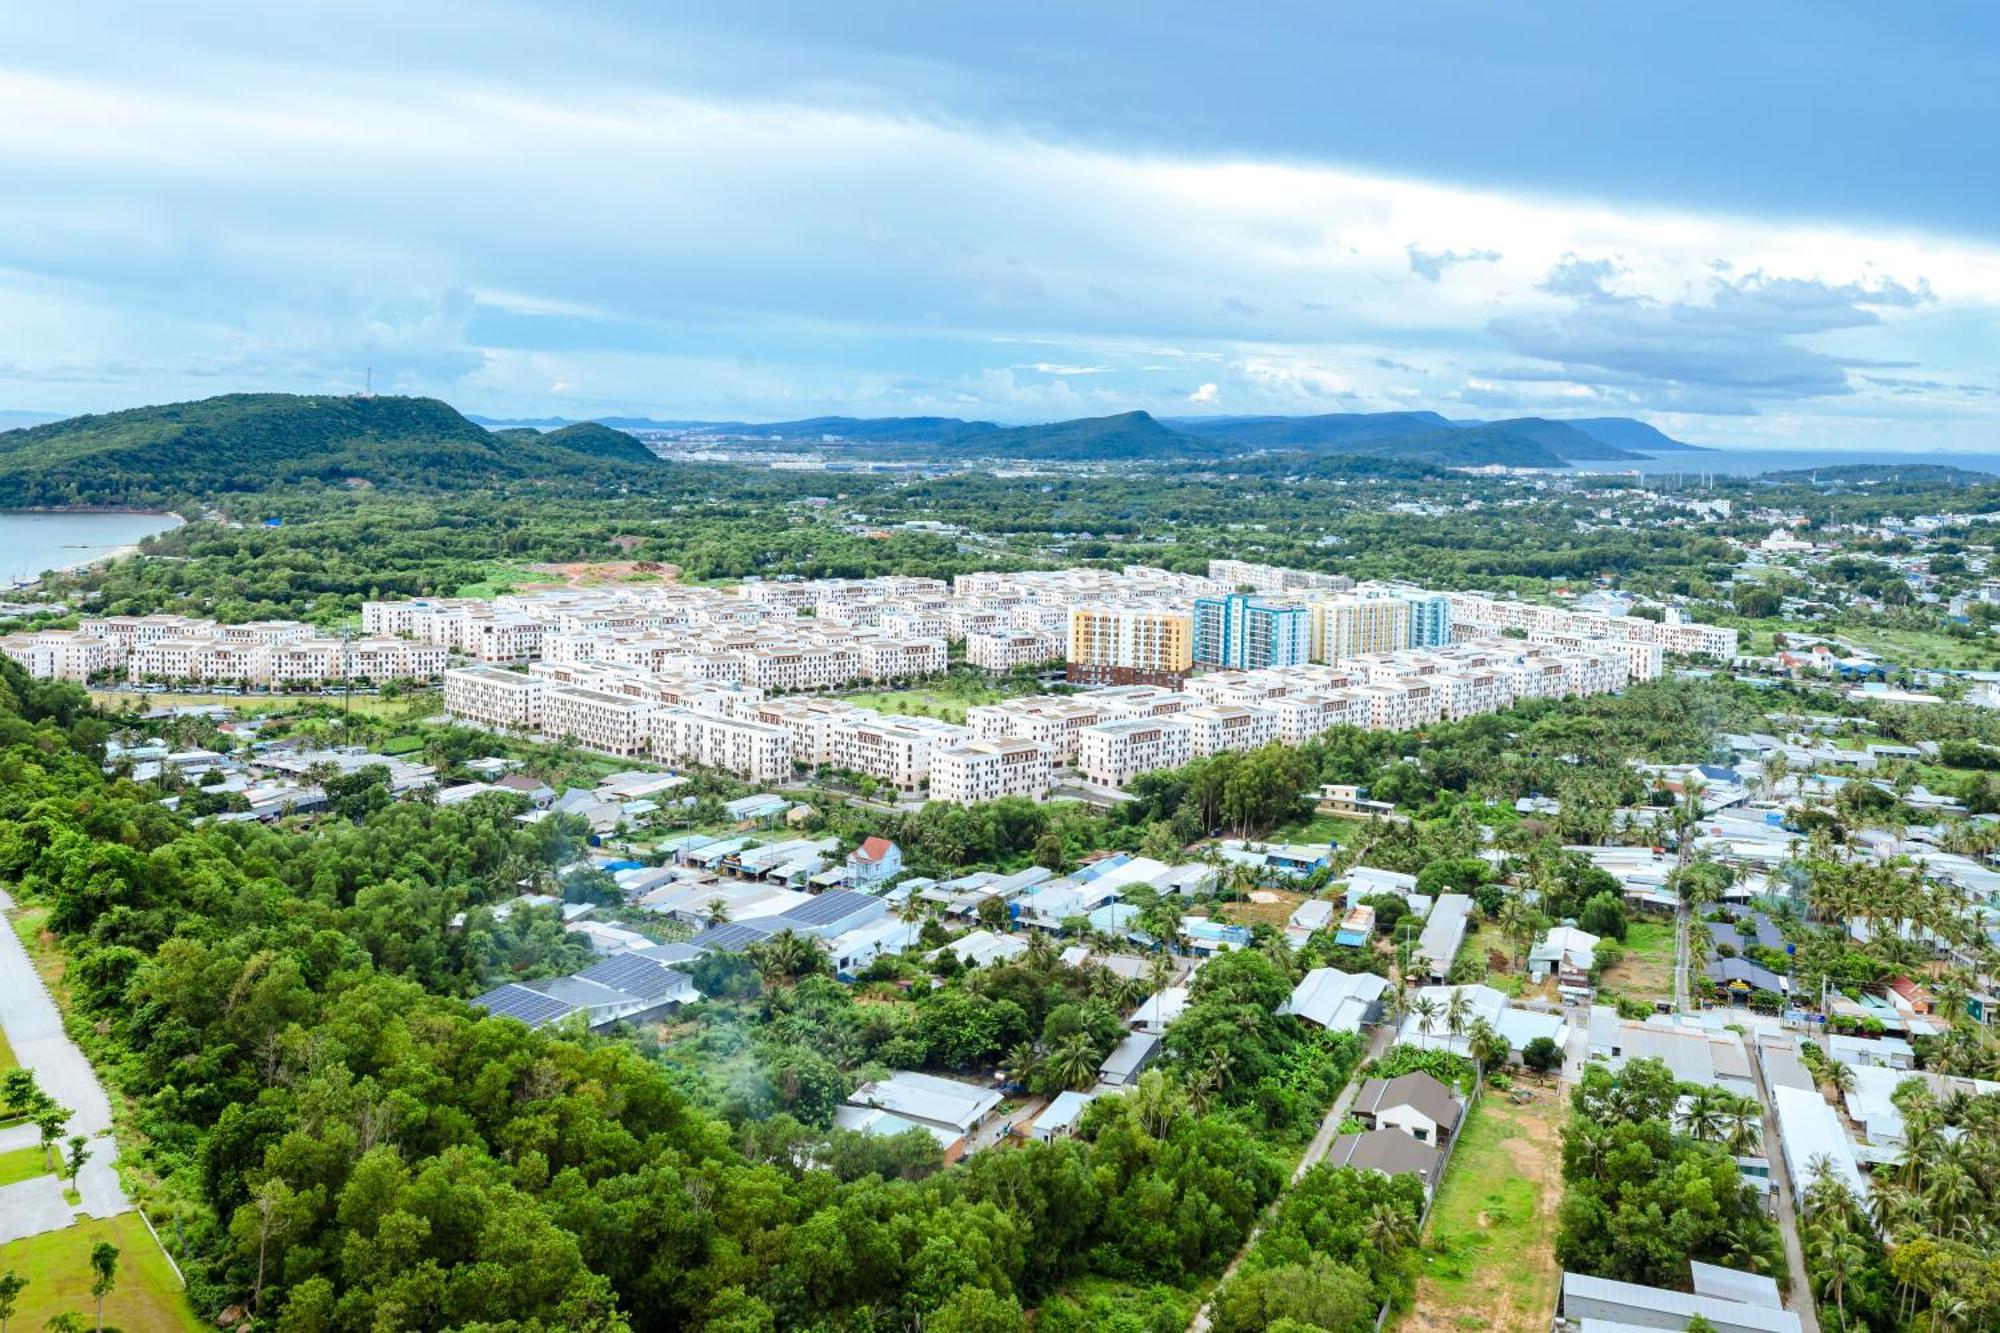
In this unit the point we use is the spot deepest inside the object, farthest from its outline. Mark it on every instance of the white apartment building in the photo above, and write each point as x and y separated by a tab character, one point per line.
809	722
901	659
62	654
495	698
1537	678
1399	705
1215	728
1491	615
613	723
129	631
1141	701
1053	721
1002	650
750	750
1643	661
1113	753
1301	717
988	770
896	751
311	660
787	670
1468	693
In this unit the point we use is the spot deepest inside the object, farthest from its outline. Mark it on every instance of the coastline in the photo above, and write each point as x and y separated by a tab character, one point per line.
73	557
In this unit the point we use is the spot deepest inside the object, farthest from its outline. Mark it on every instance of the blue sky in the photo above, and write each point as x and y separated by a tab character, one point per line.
1768	225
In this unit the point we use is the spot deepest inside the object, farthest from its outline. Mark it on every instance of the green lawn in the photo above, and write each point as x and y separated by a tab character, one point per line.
502	577
7	1060
1489	1253
949	705
147	1299
22	1164
1646	972
1318	830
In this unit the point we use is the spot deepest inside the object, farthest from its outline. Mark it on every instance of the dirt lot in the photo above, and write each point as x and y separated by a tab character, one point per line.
1489	1252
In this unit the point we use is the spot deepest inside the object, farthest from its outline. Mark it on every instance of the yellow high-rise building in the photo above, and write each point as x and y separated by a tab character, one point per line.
1130	645
1344	627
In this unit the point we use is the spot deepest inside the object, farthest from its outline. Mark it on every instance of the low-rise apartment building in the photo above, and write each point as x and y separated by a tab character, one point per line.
1216	728
987	770
613	723
1113	753
1004	650
750	750
495	698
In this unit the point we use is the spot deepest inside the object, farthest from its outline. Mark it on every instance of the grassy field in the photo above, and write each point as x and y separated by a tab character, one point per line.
948	705
22	1164
1646	972
1318	830
502	577
7	1060
1489	1255
362	705
147	1298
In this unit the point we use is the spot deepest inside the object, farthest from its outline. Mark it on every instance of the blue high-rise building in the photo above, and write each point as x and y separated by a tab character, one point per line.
1244	632
1430	620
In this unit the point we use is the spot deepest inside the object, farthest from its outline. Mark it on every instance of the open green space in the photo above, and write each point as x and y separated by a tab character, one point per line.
1489	1256
7	1060
948	704
368	705
501	577
22	1164
147	1298
1646	972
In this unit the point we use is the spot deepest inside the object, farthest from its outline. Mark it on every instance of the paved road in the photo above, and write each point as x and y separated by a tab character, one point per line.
1798	1294
1315	1152
35	1031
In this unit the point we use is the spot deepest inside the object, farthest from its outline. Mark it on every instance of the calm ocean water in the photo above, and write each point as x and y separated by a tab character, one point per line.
32	544
1749	462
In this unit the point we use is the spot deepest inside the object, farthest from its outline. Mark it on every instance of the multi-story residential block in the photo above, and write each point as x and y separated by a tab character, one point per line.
1002	650
1130	645
1471	692
613	723
1399	705
494	697
809	722
803	667
901	659
1301	717
1349	627
63	654
1053	721
1216	728
1239	631
987	770
896	751
1113	753
1238	574
750	750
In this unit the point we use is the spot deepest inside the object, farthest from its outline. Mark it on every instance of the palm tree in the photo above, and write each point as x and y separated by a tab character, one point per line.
1074	1061
1456	1012
1023	1062
1742	1125
1426	1009
1701	1117
1836	1254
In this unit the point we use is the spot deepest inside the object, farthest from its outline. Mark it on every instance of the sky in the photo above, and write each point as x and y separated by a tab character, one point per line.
1764	225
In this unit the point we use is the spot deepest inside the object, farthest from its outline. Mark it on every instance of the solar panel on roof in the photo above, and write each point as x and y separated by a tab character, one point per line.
731	937
829	907
634	975
529	1006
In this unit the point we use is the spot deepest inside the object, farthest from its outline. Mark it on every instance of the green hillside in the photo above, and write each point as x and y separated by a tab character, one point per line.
248	442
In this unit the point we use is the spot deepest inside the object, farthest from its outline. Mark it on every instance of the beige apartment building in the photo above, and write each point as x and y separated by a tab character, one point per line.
1348	627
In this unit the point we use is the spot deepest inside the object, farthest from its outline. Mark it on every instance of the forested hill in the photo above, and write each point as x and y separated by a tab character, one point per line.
249	442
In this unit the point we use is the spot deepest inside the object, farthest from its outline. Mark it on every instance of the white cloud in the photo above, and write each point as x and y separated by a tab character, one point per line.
1206	396
677	254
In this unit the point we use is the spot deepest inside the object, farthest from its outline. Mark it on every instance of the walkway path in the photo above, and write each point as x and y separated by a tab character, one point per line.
35	1031
1798	1294
1315	1152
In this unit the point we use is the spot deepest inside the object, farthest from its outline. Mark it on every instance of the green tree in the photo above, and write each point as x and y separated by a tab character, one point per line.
103	1275
11	1286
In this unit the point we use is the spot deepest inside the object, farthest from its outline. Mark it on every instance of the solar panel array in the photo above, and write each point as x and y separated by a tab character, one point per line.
828	908
530	1006
731	937
635	976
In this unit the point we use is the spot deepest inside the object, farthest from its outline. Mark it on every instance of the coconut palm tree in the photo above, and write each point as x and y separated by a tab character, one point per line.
1074	1062
1457	1013
1426	1009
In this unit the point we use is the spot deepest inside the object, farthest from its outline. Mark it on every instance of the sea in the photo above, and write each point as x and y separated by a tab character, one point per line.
35	543
1722	462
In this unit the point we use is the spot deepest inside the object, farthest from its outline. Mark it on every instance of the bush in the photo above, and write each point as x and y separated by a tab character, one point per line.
1603	916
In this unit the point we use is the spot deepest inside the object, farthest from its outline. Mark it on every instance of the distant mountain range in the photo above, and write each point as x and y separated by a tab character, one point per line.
1423	437
246	442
